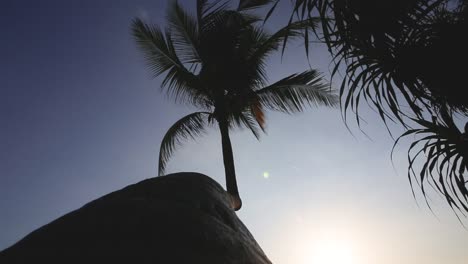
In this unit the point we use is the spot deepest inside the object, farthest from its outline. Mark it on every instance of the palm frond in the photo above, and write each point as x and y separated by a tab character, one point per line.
208	10
272	9
185	35
289	32
246	119
252	4
156	46
190	126
160	54
258	113
398	55
294	92
267	44
255	62
206	7
443	150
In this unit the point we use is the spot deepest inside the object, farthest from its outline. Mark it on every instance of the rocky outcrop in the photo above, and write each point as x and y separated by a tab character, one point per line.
179	218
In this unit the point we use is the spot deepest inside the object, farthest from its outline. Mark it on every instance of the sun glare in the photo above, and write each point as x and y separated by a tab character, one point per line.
331	252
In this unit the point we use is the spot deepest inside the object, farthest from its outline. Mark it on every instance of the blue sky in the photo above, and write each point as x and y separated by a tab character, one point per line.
81	117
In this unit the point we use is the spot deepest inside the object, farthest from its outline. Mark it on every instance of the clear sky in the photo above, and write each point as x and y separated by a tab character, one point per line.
81	117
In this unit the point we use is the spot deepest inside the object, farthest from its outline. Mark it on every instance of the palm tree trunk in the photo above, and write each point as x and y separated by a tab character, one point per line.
228	158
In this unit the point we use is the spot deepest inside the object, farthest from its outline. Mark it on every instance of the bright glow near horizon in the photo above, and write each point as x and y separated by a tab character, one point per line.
327	245
326	237
331	251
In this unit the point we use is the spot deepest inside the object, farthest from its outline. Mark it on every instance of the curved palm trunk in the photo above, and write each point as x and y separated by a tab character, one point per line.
228	158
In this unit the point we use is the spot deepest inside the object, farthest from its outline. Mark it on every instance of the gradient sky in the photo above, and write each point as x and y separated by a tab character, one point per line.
81	117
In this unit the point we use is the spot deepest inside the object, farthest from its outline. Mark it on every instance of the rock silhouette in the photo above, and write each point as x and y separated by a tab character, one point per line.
179	218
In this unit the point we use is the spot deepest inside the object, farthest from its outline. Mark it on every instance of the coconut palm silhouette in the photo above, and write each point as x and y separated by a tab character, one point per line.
216	62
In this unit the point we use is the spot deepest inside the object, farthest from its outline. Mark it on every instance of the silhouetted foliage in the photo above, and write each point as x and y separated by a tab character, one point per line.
405	59
444	148
216	62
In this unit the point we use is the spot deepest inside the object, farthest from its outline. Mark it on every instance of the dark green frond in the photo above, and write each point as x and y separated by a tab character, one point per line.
226	46
254	63
266	44
207	11
443	150
291	31
244	120
184	87
249	118
406	48
272	9
188	127
159	51
252	4
206	7
156	46
294	92
184	34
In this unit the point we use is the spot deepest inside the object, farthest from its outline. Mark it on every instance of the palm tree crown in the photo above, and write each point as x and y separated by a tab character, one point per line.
216	62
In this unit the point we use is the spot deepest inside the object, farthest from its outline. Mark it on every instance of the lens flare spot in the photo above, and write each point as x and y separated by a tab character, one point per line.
266	175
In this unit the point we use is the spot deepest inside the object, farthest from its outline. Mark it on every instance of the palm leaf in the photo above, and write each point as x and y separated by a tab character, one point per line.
255	64
252	4
296	91
190	126
443	150
185	35
245	119
161	57
207	11
267	44
271	11
156	46
289	32
206	7
383	46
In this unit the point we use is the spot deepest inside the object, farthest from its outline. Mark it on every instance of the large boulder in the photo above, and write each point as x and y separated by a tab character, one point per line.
179	218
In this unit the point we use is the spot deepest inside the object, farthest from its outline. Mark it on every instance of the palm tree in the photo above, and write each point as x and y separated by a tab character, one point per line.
216	61
444	150
411	47
403	58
